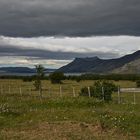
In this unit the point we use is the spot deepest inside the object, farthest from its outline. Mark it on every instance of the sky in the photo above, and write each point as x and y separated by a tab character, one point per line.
54	32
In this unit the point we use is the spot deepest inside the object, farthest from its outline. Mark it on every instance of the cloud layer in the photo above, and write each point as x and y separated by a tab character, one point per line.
57	52
28	18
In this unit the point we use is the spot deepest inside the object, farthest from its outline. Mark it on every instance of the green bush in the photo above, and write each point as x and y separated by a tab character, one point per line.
100	90
56	77
78	79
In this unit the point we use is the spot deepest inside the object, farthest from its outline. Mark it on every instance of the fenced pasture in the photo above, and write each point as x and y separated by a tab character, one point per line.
62	114
128	93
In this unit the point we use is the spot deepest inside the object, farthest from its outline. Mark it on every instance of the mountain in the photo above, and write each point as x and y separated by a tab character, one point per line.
16	70
97	65
21	70
129	68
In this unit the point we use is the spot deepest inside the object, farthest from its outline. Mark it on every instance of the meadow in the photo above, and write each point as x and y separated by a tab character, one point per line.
61	114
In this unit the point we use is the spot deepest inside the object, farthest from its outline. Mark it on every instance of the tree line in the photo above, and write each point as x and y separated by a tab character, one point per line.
116	77
56	77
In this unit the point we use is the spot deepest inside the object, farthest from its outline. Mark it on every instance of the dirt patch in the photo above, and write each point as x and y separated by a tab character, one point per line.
62	131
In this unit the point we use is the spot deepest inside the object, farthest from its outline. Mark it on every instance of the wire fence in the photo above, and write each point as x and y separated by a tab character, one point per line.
122	96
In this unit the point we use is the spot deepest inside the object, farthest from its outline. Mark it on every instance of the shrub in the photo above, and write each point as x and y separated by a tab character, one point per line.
100	90
78	79
39	75
56	77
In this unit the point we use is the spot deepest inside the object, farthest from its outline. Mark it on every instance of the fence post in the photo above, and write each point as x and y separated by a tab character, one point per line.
74	92
119	100
50	91
103	93
134	98
1	89
40	92
29	91
89	93
20	91
60	91
9	90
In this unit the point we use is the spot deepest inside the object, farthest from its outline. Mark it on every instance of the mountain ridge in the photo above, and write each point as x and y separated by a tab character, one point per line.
97	65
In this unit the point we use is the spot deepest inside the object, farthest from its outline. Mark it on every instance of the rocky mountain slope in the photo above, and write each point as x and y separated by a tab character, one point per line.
130	68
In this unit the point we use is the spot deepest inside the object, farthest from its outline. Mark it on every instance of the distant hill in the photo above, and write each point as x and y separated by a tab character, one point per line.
21	70
97	65
16	70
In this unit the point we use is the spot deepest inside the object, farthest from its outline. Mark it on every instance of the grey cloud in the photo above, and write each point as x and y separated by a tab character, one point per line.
44	54
69	17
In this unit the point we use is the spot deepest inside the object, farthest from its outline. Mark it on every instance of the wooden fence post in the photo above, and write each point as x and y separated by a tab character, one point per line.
29	91
1	89
50	91
89	93
134	98
40	92
20	91
60	90
9	90
119	99
103	93
74	95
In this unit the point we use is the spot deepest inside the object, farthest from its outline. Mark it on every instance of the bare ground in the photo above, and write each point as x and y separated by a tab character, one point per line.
62	131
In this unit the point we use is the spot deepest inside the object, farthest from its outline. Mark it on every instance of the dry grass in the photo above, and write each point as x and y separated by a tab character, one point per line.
63	131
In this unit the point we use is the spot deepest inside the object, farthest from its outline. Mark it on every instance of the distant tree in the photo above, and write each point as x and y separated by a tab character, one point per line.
78	79
39	76
56	77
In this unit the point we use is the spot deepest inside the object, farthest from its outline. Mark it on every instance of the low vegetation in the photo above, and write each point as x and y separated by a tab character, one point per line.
101	90
56	77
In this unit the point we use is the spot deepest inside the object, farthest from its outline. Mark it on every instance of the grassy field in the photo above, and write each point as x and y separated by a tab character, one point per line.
23	115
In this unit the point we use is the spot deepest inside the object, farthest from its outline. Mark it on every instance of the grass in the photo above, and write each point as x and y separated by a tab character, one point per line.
26	116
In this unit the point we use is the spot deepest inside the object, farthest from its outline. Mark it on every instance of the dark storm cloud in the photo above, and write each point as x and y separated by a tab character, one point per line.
29	18
45	54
